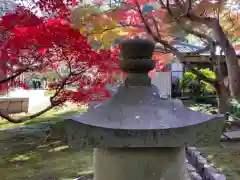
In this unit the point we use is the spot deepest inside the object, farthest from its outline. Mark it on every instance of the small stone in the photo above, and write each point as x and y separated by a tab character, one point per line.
209	171
190	168
192	148
194	176
137	117
219	177
201	163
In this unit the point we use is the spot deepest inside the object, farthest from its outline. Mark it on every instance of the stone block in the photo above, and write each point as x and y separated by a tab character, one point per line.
4	105
195	176
190	168
192	156
201	163
14	105
209	172
25	105
219	177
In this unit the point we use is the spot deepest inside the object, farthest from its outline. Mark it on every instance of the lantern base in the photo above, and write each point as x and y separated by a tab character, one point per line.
139	164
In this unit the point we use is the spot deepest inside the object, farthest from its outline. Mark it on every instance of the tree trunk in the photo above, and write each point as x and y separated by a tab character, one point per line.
229	52
231	60
223	97
221	87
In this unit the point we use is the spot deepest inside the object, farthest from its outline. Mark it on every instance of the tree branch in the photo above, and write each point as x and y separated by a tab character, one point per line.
187	29
201	76
223	41
53	104
174	50
25	118
7	79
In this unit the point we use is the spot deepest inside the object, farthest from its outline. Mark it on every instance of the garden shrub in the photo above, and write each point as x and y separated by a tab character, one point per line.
234	107
197	87
205	100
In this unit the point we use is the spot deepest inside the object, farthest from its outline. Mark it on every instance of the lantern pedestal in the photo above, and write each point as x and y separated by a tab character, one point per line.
139	163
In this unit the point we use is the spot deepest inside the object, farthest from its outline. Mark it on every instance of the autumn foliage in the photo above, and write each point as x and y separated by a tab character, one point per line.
83	39
213	23
33	44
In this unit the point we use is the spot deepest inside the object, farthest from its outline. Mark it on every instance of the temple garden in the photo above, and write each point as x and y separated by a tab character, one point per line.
50	146
38	149
119	90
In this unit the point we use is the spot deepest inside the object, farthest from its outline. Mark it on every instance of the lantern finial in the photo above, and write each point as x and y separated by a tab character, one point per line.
136	60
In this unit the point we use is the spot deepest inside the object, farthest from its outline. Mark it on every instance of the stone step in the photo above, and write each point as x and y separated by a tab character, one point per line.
231	135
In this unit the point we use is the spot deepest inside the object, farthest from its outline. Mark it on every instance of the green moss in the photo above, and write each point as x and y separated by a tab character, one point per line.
54	115
30	156
49	92
226	160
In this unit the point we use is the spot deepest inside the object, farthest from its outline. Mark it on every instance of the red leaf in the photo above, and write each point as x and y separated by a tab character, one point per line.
42	51
26	45
22	85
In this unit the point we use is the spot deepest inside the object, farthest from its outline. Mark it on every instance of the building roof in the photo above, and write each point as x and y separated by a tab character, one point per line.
188	48
185	47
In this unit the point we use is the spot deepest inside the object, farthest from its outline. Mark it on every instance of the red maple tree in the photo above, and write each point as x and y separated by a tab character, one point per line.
32	44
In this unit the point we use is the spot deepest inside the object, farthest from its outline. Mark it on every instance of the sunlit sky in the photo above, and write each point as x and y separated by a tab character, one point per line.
232	4
10	4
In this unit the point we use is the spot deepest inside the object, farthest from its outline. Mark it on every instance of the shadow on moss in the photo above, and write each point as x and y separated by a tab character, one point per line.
32	156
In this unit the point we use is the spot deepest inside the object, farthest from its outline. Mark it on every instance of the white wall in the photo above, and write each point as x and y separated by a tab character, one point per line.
163	81
37	100
177	70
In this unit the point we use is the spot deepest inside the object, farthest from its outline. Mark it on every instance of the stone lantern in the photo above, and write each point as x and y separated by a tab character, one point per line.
136	135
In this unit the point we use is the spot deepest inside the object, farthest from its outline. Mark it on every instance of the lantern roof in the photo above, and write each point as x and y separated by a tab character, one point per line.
136	116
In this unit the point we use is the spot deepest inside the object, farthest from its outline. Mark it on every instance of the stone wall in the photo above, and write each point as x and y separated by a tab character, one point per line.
199	165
